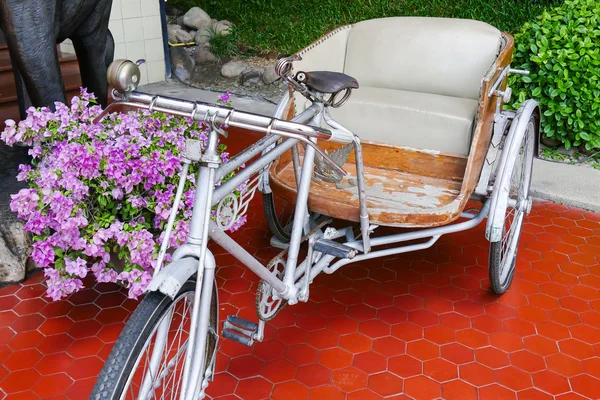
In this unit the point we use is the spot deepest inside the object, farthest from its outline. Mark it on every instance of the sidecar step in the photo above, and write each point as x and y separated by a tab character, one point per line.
334	248
239	330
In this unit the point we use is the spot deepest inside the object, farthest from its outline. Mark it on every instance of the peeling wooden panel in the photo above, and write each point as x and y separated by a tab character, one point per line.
394	198
485	123
405	159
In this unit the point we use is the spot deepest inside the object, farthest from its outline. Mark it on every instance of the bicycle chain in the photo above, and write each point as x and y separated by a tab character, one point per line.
271	263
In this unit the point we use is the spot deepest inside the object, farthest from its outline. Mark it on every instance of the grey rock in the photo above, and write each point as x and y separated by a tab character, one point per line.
222	27
203	34
252	76
15	243
195	18
178	35
180	20
233	69
203	55
15	246
182	64
270	76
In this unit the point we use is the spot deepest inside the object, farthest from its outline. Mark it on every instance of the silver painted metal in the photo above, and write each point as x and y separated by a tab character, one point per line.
231	208
194	258
303	117
490	166
232	247
201	334
250	170
300	220
220	114
199	234
500	197
360	179
265	143
174	209
171	278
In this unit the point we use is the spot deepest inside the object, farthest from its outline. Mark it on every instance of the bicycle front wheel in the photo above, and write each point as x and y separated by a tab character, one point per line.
147	361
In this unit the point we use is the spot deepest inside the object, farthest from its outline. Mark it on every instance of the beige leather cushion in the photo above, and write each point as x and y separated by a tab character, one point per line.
327	55
410	119
429	55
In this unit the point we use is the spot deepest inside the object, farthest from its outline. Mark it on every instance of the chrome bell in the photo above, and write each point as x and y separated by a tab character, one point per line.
124	75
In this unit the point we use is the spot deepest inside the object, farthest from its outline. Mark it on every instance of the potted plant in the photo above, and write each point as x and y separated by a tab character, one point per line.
102	192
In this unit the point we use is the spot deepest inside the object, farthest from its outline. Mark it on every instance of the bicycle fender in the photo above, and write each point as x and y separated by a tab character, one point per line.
501	191
171	278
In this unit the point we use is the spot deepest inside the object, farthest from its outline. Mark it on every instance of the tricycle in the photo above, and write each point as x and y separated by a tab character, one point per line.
394	122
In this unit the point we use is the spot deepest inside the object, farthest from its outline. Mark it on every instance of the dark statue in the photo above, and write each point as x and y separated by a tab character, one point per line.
32	29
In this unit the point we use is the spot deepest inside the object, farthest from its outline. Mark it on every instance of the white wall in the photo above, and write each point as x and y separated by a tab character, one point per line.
137	31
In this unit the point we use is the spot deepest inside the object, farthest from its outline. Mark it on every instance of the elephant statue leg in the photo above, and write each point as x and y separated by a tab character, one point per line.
31	41
94	46
22	95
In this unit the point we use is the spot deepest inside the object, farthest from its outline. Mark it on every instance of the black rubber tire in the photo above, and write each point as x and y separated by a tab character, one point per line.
124	354
495	265
272	219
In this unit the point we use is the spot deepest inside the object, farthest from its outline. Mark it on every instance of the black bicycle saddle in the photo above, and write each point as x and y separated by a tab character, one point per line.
326	81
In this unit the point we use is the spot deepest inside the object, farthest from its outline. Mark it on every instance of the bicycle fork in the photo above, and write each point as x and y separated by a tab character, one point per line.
193	372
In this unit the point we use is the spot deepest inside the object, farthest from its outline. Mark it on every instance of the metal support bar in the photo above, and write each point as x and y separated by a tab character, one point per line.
245	156
165	243
440	230
253	168
261	145
323	263
360	180
382	253
228	116
230	245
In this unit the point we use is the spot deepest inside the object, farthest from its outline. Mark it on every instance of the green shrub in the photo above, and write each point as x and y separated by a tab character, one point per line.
223	45
288	26
561	49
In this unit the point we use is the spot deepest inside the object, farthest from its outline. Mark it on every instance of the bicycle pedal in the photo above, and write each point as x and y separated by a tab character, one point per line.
334	249
239	330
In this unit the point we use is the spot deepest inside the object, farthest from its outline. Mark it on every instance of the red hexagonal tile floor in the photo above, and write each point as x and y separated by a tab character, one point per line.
418	326
422	325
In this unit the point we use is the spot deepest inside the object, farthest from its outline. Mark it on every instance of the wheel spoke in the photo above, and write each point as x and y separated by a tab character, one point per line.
520	178
165	379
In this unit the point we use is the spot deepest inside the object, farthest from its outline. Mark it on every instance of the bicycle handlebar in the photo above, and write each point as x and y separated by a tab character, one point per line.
124	75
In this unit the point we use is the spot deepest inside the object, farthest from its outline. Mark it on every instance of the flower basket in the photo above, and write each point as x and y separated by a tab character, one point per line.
100	194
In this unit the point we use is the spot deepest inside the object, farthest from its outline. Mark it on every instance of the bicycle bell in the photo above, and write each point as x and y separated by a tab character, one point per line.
124	75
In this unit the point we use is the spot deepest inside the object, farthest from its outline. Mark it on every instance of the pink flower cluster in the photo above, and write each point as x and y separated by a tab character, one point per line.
100	194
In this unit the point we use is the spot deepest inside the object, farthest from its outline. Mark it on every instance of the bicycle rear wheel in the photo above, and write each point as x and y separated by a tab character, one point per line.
279	214
128	374
503	253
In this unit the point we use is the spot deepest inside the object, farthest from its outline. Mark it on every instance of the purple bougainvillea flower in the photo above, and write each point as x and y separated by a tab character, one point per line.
100	192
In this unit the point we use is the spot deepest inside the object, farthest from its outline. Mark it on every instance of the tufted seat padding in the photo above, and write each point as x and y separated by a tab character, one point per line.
428	55
419	78
409	119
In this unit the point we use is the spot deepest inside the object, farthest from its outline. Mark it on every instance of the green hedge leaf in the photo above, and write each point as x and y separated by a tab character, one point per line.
560	49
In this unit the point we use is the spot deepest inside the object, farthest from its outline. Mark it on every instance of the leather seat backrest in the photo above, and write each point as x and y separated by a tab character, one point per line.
444	56
326	54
